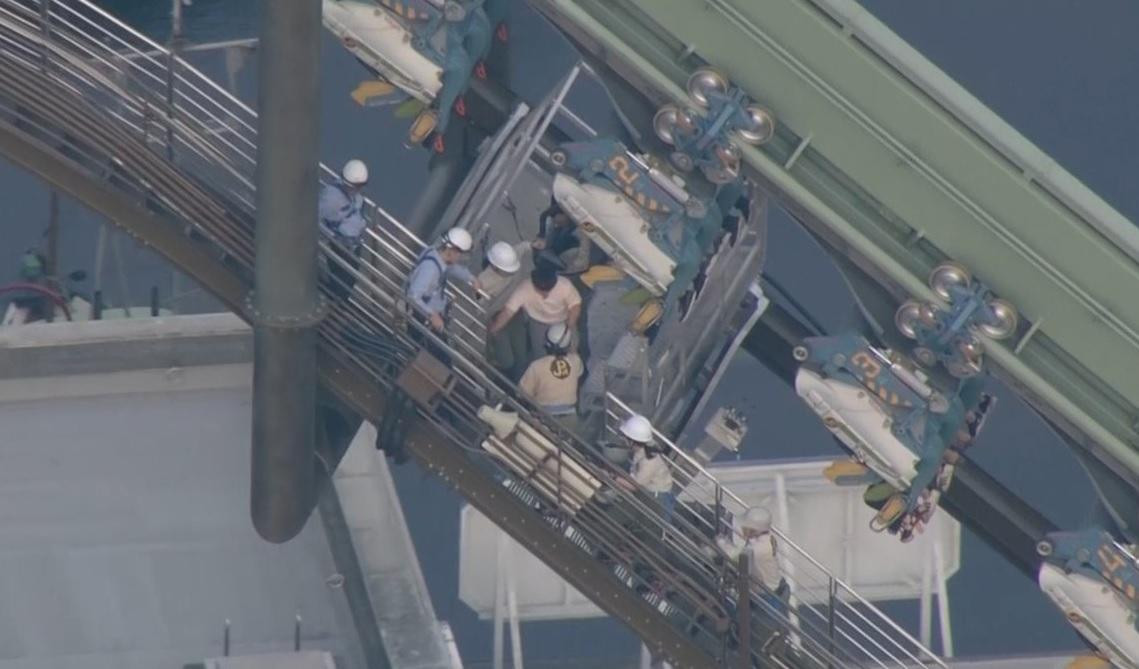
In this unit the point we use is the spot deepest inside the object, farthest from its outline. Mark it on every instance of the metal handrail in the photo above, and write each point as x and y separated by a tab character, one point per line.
721	492
221	109
153	177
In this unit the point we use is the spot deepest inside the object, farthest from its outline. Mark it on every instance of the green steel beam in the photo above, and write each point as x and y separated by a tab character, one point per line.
901	176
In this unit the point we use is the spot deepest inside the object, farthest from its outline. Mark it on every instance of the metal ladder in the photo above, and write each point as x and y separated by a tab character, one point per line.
117	121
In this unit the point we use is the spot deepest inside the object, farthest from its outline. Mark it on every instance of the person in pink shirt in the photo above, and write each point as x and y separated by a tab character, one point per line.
546	299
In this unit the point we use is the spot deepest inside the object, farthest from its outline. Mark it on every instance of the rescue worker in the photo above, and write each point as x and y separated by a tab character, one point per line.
546	299
649	468
753	534
426	288
342	220
507	350
551	381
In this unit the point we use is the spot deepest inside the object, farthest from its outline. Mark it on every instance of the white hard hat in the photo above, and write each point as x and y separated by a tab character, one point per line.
355	172
459	239
502	256
638	429
757	518
559	336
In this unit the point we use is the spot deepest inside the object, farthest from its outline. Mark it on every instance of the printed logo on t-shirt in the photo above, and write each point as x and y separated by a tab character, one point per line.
560	368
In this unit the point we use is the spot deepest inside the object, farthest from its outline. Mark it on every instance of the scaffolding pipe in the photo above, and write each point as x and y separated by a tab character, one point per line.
285	303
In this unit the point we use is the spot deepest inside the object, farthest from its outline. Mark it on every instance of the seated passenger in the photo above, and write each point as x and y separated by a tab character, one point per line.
547	299
551	381
29	306
507	350
560	242
753	534
426	288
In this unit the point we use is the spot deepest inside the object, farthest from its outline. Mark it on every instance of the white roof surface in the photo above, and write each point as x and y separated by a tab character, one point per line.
125	539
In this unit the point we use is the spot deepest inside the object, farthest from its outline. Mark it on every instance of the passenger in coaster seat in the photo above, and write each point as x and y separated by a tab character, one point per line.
546	299
30	306
560	243
551	381
342	220
508	349
426	288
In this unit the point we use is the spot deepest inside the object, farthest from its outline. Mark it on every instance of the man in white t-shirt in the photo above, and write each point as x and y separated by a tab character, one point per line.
546	299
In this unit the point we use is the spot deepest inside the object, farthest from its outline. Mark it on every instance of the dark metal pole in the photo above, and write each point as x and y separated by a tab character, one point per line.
53	234
832	595
743	609
285	302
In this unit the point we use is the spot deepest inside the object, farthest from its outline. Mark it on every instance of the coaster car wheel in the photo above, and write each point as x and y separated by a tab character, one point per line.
1003	322
946	276
908	317
704	83
760	126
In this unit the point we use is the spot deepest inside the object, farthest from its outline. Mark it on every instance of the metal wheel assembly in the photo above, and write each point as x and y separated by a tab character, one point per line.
1003	322
908	317
665	122
948	275
925	356
682	161
760	128
704	83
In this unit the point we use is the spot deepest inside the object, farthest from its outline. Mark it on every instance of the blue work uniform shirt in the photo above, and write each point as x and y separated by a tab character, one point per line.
342	213
427	283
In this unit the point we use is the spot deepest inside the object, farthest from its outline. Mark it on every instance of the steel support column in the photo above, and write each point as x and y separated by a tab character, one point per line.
285	301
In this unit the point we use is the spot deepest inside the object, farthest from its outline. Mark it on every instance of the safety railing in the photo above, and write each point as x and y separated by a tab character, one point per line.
824	611
101	118
181	112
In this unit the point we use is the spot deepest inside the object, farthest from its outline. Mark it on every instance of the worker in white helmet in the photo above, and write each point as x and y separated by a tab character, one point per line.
551	381
501	269
507	349
649	467
752	533
426	288
342	220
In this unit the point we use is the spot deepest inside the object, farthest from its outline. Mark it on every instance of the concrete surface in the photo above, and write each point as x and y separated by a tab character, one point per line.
125	539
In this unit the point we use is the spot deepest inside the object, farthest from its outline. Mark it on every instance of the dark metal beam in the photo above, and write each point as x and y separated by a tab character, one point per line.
285	302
